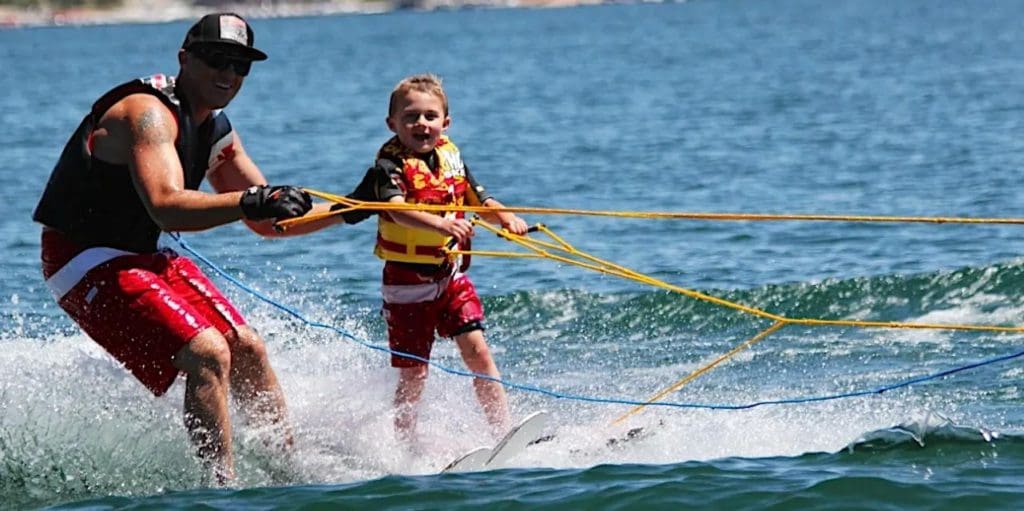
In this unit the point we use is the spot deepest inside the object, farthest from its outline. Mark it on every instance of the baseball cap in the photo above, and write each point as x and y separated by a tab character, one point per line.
223	29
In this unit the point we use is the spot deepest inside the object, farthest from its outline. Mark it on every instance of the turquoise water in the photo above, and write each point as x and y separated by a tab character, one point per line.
868	108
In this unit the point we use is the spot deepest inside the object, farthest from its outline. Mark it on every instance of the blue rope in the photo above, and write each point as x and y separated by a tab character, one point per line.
577	397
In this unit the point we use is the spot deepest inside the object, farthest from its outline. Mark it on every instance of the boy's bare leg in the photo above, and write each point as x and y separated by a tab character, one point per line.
489	393
206	362
255	384
411	381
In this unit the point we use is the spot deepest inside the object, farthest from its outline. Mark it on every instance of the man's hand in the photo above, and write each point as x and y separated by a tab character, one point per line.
280	202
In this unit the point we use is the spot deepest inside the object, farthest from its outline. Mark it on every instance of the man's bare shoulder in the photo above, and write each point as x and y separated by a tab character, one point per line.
135	119
143	116
133	106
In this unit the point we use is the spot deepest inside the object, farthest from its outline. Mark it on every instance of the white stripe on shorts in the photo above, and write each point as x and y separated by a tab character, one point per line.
71	273
415	293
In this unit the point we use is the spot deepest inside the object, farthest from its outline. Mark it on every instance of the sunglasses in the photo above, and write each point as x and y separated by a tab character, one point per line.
221	61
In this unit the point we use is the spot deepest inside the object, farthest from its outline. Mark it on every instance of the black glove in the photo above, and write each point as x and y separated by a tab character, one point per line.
280	202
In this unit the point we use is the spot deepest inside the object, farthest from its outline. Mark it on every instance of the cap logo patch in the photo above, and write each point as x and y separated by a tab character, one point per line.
233	28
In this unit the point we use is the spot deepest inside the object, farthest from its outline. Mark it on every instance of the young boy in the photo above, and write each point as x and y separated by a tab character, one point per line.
423	290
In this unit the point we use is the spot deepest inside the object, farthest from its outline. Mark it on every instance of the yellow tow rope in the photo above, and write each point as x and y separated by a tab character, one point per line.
561	251
353	205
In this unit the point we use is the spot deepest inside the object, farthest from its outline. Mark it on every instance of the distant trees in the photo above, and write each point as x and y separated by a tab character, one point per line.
60	4
213	3
65	4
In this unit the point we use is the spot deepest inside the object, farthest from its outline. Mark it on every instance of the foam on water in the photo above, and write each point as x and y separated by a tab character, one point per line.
75	424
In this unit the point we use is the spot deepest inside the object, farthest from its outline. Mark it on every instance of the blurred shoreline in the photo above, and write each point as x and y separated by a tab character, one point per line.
156	11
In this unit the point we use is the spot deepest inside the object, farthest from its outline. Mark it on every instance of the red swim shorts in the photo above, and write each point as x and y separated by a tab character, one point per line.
142	308
416	305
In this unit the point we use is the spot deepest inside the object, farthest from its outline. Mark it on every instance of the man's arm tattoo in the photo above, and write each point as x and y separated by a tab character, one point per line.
150	128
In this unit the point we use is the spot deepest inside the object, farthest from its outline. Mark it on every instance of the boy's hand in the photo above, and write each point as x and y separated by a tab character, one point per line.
514	224
459	228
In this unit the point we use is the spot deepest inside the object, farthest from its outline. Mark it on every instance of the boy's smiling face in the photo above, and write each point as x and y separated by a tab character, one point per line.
419	121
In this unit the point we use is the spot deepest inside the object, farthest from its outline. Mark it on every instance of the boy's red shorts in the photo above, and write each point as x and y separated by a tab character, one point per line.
142	308
417	305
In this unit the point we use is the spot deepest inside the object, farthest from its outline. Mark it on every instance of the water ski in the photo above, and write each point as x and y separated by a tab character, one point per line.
618	442
515	441
472	461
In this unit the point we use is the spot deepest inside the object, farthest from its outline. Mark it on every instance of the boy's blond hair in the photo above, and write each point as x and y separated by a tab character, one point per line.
427	83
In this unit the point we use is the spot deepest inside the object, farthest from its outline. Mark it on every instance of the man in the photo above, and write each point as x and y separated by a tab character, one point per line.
131	170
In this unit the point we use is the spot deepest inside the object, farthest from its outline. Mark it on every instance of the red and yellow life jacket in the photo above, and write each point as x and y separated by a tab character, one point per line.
446	186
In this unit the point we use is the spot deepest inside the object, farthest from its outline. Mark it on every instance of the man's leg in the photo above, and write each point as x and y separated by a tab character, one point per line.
411	381
251	378
489	393
206	362
255	384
